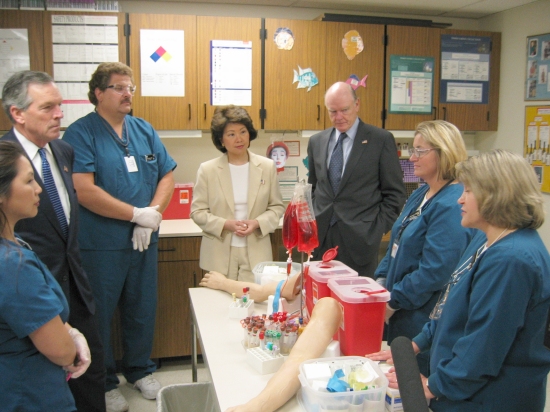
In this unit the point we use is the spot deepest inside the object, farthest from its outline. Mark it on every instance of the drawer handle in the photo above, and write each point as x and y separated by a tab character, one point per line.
168	250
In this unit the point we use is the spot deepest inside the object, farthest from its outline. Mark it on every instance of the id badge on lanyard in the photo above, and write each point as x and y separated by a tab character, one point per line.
131	164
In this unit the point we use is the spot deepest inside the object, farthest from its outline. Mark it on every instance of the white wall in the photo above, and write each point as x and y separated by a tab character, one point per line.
515	25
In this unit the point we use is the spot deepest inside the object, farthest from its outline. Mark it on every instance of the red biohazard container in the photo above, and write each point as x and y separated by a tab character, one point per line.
180	204
363	303
319	274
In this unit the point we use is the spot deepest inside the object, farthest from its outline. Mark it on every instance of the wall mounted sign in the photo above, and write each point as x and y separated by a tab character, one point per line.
537	86
411	84
465	69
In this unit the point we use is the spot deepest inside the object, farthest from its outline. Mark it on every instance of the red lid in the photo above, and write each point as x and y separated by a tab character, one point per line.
330	254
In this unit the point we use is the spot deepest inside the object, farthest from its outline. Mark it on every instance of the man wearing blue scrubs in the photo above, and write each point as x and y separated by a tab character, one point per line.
123	179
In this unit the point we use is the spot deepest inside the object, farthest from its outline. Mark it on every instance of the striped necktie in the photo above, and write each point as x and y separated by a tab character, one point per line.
336	164
335	168
49	184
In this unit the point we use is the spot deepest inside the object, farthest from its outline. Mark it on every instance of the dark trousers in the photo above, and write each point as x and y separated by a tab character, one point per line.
334	238
89	389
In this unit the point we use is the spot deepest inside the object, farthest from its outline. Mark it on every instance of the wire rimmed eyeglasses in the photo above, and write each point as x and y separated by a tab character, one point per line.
120	89
420	152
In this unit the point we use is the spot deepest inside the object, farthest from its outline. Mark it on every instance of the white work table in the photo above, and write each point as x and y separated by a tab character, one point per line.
179	228
234	381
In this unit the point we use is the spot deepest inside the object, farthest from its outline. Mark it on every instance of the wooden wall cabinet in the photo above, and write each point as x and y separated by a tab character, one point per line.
288	107
178	270
34	23
422	41
226	28
479	117
166	113
411	41
370	61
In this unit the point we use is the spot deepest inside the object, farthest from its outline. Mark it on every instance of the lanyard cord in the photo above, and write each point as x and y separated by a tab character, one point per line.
418	211
112	133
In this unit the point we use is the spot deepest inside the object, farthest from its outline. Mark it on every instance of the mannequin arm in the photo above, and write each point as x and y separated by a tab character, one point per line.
313	341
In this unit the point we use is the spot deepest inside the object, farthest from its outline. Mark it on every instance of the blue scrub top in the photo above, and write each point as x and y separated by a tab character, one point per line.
29	298
98	150
429	249
487	351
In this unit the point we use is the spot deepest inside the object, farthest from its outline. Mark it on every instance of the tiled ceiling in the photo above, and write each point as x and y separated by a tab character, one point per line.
472	9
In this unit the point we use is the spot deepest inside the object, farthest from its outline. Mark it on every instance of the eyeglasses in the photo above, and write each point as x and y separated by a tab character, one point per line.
117	88
420	152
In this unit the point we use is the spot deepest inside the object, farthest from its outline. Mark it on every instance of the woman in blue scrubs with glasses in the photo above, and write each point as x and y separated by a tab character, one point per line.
427	239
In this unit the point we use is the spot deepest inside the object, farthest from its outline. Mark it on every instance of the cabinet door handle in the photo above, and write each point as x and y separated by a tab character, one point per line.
318	112
189	111
444	113
433	112
167	250
205	111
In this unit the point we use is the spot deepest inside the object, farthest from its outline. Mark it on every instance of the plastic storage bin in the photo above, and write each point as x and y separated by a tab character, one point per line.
180	203
189	397
363	303
313	400
318	276
266	272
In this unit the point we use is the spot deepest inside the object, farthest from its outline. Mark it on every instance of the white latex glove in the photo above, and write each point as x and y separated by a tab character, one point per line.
82	353
147	217
389	313
141	238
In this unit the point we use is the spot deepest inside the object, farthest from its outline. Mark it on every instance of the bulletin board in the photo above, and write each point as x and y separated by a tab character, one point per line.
537	86
536	144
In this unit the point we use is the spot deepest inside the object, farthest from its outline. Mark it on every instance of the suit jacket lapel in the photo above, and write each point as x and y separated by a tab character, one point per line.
355	154
45	203
324	142
254	181
64	170
224	176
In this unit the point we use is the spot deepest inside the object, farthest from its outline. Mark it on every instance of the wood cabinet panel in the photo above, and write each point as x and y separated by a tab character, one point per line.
288	107
179	248
226	28
477	116
47	34
33	22
166	113
411	41
178	270
370	61
173	322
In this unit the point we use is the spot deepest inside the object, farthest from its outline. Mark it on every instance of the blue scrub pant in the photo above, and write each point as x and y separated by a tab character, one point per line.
127	278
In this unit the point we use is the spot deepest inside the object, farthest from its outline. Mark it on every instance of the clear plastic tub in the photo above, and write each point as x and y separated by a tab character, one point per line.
370	400
266	272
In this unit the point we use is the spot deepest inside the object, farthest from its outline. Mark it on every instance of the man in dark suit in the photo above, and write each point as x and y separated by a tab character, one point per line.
33	103
357	183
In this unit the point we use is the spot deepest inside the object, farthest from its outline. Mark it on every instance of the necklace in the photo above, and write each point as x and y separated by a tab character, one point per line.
486	246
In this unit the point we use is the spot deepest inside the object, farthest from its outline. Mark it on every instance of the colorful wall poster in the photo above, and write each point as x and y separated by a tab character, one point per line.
537	86
465	69
536	148
411	84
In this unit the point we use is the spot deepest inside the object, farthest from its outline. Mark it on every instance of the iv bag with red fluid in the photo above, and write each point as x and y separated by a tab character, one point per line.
290	227
307	225
290	233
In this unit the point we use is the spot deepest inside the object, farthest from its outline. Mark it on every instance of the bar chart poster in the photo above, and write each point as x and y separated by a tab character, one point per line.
411	84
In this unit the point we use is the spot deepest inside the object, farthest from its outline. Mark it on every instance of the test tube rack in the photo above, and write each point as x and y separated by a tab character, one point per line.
262	361
238	310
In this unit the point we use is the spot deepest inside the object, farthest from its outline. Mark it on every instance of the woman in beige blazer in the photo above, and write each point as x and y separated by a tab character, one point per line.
236	200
